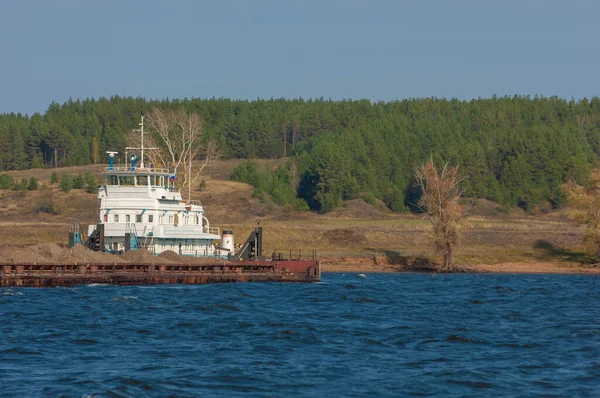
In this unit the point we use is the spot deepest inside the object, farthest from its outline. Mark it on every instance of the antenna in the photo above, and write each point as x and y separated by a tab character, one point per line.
141	130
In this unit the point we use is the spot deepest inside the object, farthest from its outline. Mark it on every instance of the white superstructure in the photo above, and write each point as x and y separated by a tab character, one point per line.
143	202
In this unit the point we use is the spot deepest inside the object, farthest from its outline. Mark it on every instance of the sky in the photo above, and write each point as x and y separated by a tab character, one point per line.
351	49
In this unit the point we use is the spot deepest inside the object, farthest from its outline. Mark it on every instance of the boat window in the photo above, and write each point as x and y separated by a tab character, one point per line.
150	218
161	219
116	218
162	181
127	218
138	218
112	180
197	220
106	218
142	180
126	180
170	219
155	181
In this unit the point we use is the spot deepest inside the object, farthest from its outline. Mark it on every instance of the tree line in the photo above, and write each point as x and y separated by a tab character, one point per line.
513	150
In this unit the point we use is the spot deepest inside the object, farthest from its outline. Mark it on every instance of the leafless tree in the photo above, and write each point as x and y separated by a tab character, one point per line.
440	201
294	173
181	144
585	208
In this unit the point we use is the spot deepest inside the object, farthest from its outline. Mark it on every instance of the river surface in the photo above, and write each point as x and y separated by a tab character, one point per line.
381	335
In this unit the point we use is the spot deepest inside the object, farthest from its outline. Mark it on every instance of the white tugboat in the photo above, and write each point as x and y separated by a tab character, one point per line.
140	207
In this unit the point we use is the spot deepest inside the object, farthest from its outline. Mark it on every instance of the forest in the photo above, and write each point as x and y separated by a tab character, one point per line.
516	151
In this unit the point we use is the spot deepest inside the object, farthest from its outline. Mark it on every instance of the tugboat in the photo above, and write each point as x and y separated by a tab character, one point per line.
141	209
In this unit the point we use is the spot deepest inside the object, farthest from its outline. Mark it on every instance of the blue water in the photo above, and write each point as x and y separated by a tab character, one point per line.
383	335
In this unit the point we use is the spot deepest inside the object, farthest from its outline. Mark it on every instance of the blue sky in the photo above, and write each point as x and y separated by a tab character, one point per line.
379	50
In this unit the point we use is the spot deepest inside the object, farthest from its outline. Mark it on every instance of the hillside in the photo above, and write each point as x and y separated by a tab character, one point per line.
513	150
356	233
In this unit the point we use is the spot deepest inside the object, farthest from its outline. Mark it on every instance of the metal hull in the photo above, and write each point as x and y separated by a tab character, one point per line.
53	275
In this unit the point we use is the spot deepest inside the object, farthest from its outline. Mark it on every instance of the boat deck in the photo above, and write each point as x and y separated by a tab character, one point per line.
51	275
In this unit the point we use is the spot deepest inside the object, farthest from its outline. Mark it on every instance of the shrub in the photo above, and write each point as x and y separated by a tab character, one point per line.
77	182
21	186
202	185
37	162
33	184
370	198
54	178
6	181
65	183
48	205
300	205
90	183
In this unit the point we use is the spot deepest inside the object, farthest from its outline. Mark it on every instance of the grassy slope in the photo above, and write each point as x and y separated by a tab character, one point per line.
356	230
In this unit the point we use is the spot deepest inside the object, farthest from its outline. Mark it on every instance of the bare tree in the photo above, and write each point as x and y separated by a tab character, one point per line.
181	142
585	208
440	201
294	174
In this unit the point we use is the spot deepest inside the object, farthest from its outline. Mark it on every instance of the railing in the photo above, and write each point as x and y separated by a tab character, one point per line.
212	230
306	255
144	170
195	203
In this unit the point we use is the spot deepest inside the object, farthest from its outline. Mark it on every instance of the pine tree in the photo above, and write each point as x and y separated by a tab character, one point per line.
65	183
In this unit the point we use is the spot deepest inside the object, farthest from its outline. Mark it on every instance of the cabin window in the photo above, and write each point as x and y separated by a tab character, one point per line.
112	180
197	220
106	218
142	180
170	219
186	220
116	218
138	218
155	181
127	218
126	180
161	219
150	218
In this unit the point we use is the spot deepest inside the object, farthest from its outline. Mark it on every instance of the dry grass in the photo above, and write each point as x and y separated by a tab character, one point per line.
489	236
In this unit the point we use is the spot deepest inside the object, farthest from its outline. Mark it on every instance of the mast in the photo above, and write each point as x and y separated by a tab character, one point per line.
141	148
142	132
190	164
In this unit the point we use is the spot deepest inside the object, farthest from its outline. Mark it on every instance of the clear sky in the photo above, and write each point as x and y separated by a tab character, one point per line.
379	50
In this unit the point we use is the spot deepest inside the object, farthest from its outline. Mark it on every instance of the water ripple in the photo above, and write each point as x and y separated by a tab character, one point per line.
383	335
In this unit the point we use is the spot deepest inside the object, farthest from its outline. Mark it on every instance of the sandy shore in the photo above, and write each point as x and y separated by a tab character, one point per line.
370	265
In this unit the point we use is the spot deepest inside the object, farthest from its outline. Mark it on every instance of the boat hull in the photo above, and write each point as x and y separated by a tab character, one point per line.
53	275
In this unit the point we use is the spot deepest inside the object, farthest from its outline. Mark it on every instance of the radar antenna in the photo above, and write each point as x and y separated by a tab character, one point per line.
111	154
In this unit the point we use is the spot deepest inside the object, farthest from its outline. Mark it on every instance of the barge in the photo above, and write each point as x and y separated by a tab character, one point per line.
142	209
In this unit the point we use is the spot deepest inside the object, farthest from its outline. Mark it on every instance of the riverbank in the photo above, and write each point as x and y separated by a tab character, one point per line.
374	265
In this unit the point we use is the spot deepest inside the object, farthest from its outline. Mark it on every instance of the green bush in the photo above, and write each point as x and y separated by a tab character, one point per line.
6	181
37	162
276	183
370	198
202	185
65	183
54	178
77	182
33	184
90	183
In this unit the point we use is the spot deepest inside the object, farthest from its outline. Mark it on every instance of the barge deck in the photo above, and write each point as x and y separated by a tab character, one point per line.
53	275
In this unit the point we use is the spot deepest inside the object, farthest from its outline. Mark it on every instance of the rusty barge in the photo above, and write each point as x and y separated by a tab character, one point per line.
53	275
